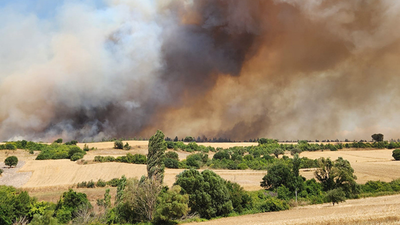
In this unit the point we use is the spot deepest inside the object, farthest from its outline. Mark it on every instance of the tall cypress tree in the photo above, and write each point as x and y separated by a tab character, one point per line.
155	156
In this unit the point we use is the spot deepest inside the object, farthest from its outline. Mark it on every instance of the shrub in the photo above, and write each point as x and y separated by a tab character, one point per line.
114	182
273	204
59	141
82	184
10	146
172	155
11	161
90	184
101	183
127	146
76	156
396	154
118	145
1	171
171	163
86	148
172	205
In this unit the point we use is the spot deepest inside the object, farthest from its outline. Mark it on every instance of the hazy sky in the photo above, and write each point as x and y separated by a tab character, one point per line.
285	69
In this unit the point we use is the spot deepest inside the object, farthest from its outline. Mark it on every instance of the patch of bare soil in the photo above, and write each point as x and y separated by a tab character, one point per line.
12	176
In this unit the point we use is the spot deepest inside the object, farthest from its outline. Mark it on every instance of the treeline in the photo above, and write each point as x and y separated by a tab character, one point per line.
56	150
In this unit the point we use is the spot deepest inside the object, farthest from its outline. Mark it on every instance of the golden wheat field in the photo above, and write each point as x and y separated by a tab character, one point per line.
368	211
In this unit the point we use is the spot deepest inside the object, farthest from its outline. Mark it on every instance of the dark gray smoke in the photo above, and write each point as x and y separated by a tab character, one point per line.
284	69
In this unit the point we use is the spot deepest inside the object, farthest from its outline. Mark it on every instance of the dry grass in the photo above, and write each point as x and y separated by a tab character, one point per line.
379	210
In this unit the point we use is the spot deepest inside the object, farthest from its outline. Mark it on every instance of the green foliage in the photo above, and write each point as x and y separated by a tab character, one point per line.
241	200
171	205
101	183
335	196
156	155
171	163
44	219
1	171
272	205
278	174
196	160
73	142
127	146
278	151
57	151
118	144
10	146
129	158
77	156
11	161
377	137
263	141
13	204
188	139
396	154
337	174
208	194
59	141
68	205
172	155
86	148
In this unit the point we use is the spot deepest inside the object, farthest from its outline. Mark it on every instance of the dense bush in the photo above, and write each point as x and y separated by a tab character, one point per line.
396	154
57	151
172	155
171	163
1	171
101	183
67	207
13	204
129	158
118	145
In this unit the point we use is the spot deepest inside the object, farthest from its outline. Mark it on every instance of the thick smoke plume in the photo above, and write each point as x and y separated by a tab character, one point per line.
285	69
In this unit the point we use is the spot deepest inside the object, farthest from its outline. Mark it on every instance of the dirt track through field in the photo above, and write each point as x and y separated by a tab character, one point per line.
359	211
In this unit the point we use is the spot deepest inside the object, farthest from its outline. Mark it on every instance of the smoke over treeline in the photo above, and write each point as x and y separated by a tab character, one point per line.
284	69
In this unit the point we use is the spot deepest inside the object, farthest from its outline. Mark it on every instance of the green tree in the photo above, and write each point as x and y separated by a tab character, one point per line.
176	139
335	196
67	207
336	174
172	205
156	155
396	154
278	151
11	161
377	137
141	196
59	141
278	174
207	192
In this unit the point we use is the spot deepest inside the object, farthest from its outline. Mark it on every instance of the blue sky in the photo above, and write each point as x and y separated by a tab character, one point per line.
43	9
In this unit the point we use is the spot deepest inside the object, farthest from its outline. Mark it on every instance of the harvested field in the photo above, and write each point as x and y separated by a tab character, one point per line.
378	210
367	164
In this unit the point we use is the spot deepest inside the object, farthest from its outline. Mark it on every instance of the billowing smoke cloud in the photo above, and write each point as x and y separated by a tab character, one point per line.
284	69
